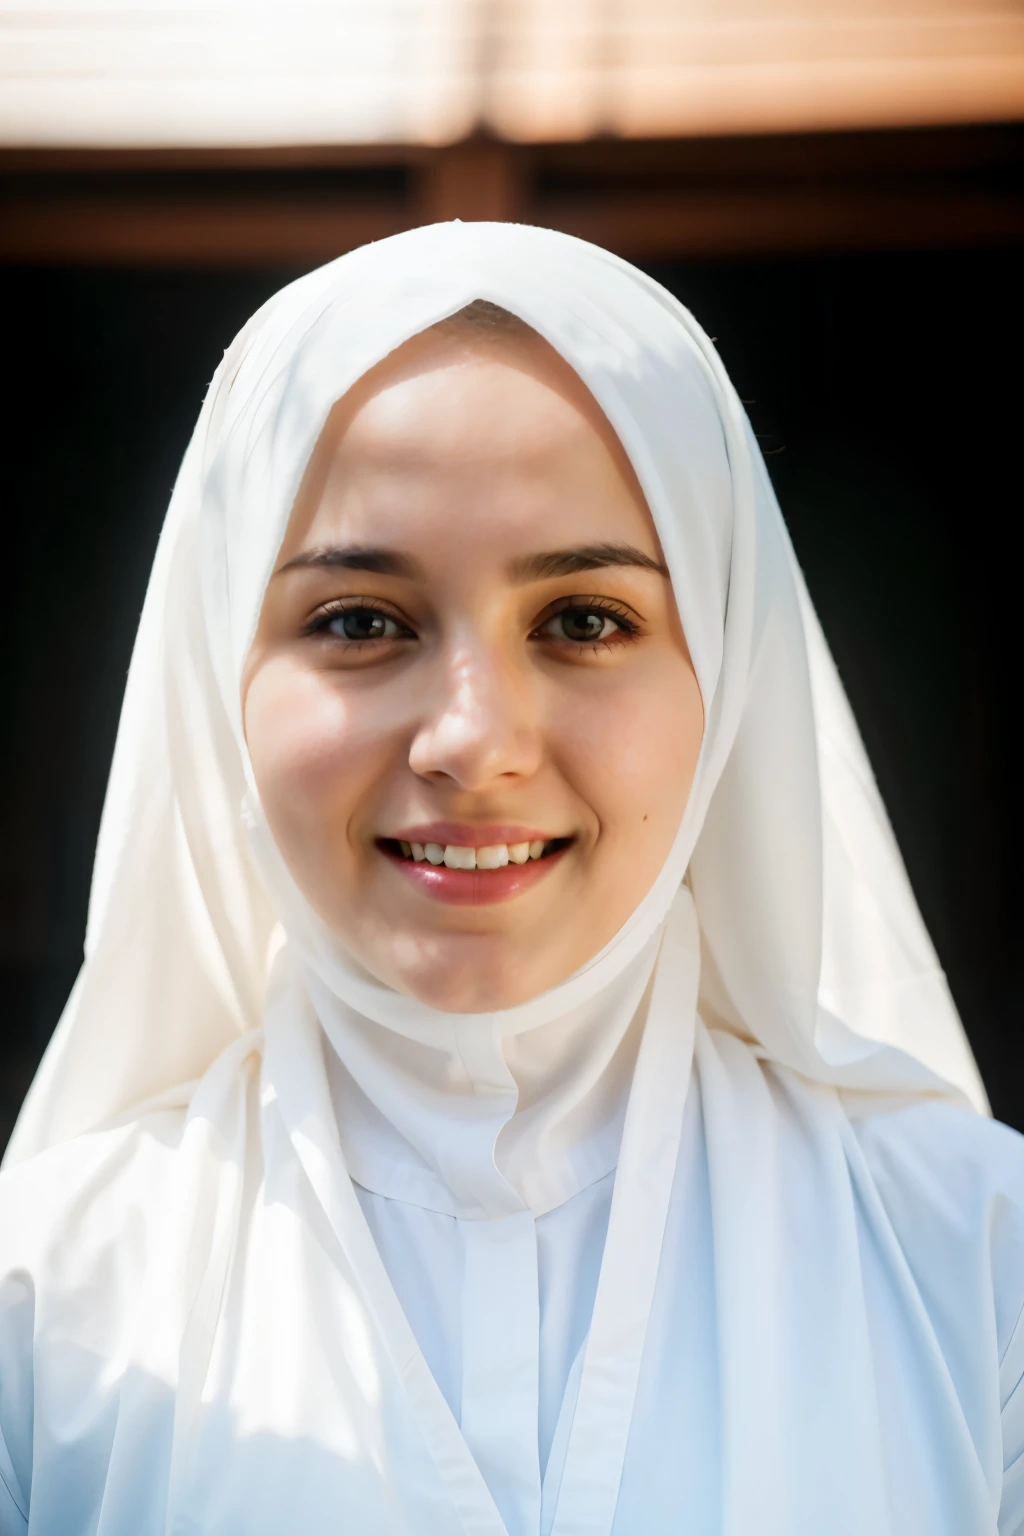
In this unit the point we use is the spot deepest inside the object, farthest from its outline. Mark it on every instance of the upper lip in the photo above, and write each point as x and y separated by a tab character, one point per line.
460	834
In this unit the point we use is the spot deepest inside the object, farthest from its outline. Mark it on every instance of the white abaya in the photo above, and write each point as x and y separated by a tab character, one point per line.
711	1238
894	1316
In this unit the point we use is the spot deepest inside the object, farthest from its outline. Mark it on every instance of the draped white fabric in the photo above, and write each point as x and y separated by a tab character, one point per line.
790	1330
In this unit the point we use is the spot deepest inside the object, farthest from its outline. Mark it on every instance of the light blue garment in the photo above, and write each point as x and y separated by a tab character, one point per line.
918	1432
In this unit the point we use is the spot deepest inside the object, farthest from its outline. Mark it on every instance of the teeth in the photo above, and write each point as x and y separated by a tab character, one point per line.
454	856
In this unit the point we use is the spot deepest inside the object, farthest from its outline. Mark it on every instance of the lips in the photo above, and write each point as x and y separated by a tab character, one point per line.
473	866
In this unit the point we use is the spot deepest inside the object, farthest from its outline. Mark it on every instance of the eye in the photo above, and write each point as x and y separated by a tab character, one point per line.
358	623
581	624
587	624
363	624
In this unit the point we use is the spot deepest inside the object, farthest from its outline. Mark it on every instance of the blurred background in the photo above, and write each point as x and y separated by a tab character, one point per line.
834	187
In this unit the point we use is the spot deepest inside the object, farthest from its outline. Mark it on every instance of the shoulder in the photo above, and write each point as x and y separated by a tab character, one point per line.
72	1195
112	1185
949	1153
77	1226
952	1184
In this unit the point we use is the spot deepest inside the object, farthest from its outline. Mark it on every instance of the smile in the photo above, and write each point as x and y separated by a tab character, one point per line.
474	874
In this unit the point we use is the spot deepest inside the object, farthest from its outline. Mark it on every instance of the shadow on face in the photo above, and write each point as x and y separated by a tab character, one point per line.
469	705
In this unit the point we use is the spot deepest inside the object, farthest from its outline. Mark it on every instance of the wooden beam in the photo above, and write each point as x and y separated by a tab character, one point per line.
278	232
654	200
753	222
149	230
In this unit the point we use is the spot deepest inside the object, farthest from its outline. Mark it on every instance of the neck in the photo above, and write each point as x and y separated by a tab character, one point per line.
477	1116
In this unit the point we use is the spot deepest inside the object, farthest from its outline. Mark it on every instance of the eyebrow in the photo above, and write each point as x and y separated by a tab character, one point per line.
383	562
584	557
546	565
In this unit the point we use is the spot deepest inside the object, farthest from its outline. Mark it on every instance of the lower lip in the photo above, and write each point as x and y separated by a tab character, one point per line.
474	887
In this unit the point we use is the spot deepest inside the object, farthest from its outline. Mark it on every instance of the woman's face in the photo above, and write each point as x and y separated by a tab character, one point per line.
469	705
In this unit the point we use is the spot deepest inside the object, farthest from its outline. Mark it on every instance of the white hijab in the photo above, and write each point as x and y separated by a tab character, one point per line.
812	943
783	917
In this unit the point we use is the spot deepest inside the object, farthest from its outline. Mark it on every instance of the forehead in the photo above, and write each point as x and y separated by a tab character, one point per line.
459	438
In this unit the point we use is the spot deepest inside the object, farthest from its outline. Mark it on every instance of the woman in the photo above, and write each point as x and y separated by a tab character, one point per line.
510	1088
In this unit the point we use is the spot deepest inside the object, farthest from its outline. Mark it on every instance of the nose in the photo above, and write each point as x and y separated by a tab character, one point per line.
480	723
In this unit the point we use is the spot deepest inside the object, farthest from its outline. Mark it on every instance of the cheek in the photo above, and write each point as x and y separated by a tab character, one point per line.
631	752
315	757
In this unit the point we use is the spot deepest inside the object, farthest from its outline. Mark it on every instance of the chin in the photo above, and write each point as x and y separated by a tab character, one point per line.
474	977
470	992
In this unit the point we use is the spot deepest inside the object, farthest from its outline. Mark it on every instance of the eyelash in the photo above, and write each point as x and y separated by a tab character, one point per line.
627	627
325	616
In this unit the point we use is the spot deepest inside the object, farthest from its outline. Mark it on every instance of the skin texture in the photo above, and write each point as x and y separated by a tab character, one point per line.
465	455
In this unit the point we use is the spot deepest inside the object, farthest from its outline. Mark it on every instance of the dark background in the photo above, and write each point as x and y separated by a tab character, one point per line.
886	389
